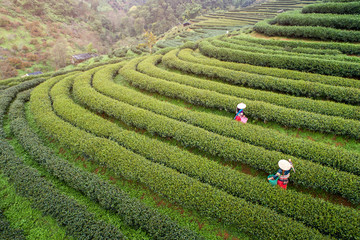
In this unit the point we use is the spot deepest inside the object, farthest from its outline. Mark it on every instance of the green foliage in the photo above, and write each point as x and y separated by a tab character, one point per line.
29	183
119	52
191	45
150	39
350	22
191	11
340	0
180	188
280	48
155	16
327	67
165	50
160	44
7	232
90	48
213	143
320	33
303	104
136	50
134	213
159	16
275	72
22	79
234	44
10	94
187	163
181	160
334	8
86	120
315	51
294	87
347	48
192	181
308	150
20	214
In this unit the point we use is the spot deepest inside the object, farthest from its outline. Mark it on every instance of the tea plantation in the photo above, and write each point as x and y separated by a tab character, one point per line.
147	148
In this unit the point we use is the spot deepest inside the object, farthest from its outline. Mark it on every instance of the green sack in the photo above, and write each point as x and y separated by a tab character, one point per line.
273	182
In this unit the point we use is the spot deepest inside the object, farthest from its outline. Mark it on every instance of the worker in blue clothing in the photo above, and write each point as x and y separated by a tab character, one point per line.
283	173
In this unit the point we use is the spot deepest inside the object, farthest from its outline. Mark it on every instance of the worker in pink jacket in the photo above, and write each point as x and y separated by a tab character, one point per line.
240	113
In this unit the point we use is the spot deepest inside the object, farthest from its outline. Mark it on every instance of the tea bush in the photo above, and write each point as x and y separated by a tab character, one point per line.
300	103
191	56
180	188
191	164
320	33
347	48
133	212
30	184
340	7
350	22
327	67
204	140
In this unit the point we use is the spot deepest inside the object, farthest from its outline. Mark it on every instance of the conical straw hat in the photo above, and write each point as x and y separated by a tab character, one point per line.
284	165
241	106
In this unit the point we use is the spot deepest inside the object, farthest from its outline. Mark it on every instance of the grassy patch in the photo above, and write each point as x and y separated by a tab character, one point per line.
20	214
19	37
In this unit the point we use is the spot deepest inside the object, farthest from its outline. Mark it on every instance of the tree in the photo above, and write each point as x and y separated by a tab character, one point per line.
191	11
115	19
127	25
150	40
59	53
106	23
170	15
139	25
90	48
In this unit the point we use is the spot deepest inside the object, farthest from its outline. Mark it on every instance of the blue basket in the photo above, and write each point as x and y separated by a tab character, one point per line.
273	182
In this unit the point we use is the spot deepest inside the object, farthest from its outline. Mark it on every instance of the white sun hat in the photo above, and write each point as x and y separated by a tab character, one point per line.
284	165
241	106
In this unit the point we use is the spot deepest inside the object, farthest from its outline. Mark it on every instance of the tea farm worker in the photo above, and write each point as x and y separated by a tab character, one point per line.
283	173
240	109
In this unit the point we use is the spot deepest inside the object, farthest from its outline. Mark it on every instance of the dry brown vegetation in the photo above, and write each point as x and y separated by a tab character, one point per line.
7	70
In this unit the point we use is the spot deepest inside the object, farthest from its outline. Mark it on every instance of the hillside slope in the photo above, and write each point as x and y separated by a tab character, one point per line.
42	35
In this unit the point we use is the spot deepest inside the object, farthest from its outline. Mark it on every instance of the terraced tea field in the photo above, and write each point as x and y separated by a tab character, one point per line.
329	21
247	15
147	148
219	23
